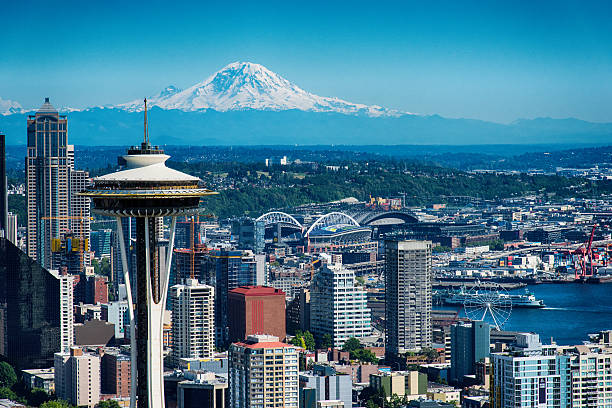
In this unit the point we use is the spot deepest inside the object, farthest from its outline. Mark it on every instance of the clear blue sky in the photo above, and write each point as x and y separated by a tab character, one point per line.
488	60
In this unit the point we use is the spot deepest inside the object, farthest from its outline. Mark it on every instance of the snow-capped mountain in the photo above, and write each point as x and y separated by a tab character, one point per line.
244	86
8	107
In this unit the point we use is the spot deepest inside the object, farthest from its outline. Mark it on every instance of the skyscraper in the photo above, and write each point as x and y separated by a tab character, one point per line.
470	343
3	187
263	372
47	182
407	296
29	309
337	306
193	319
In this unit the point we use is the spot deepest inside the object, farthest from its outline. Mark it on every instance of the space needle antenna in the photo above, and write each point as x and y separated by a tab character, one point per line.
146	129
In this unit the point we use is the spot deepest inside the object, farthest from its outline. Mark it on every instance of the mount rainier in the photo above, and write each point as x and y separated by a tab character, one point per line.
247	104
245	85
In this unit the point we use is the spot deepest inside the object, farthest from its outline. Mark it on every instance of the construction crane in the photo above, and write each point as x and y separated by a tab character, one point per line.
193	246
81	218
585	260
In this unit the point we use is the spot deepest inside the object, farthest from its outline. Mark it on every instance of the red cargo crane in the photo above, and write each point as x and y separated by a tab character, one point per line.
585	253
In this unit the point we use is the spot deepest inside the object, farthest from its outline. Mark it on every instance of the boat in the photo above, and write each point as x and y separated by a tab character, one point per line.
459	298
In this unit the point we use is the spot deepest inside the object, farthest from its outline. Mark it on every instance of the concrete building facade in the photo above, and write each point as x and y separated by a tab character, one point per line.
337	306
263	373
408	284
193	318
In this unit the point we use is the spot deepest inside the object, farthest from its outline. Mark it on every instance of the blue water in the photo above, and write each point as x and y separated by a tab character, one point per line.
572	312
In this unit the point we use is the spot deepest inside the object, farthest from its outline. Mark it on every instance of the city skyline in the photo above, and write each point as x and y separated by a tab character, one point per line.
496	62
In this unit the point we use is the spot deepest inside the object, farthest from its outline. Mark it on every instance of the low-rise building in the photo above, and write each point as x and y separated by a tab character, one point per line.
409	384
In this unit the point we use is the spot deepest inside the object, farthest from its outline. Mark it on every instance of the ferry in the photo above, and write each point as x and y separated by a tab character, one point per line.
528	300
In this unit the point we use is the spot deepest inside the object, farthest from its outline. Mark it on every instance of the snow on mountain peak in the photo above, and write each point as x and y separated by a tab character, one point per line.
246	85
8	107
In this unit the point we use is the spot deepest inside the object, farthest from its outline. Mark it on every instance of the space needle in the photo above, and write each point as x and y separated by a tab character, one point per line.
146	190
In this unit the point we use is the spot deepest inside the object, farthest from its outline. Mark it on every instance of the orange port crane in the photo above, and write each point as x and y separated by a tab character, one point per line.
585	260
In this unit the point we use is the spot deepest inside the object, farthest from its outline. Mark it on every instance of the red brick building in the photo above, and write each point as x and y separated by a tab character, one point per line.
115	374
256	310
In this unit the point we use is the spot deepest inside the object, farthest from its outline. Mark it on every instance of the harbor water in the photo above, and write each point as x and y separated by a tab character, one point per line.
572	311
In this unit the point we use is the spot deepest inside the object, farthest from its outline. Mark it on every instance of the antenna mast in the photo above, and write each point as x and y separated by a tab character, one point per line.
146	130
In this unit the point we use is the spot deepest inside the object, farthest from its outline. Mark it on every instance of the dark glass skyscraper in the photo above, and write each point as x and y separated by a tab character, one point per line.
470	343
3	187
47	182
29	309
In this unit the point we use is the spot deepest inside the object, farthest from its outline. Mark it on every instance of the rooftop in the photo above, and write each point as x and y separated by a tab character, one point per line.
257	291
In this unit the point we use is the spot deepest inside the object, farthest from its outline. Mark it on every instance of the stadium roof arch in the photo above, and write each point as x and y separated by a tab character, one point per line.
278	217
387	217
330	219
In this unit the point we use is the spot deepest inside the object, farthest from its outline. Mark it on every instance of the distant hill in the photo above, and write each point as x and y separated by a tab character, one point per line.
100	126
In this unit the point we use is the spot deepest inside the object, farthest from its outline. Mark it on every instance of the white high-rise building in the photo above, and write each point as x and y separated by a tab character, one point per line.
77	377
263	373
11	228
79	205
408	287
337	306
66	311
193	320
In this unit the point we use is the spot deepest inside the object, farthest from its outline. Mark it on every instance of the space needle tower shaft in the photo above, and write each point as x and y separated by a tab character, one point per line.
146	190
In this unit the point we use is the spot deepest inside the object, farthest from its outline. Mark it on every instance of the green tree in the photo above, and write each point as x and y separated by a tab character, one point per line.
101	267
108	404
352	344
8	378
37	397
7	393
56	404
309	340
326	341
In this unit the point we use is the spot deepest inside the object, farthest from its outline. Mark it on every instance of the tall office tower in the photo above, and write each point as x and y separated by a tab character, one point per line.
188	262
66	311
29	310
147	190
263	372
47	182
256	310
77	377
407	296
227	270
337	306
3	187
470	343
11	228
80	209
532	375
100	243
298	312
193	318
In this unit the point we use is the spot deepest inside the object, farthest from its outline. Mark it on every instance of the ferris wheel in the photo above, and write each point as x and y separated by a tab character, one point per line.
490	303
